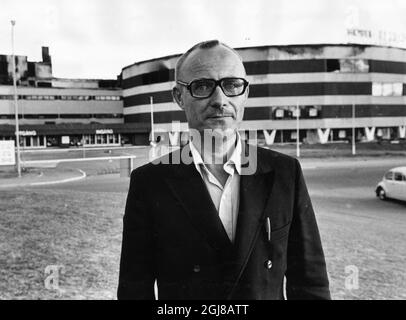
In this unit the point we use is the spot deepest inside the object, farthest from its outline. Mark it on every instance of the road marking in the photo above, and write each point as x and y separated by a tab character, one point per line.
33	184
80	149
32	162
309	167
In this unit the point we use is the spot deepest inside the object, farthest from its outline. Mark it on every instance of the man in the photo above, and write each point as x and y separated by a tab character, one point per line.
232	222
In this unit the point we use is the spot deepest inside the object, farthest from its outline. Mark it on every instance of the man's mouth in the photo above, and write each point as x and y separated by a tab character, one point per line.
218	116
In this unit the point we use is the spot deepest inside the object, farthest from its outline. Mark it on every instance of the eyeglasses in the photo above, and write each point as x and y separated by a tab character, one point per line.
204	88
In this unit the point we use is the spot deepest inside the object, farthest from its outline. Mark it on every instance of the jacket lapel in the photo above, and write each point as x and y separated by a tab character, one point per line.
189	189
255	190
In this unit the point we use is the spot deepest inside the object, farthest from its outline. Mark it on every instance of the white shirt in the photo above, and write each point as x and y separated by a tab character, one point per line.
226	199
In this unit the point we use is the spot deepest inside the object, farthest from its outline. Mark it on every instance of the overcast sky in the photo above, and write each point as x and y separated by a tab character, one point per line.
97	38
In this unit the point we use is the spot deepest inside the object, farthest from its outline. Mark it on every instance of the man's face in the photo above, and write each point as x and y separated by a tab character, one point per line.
217	112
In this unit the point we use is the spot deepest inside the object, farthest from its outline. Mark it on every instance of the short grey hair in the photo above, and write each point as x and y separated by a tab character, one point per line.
201	45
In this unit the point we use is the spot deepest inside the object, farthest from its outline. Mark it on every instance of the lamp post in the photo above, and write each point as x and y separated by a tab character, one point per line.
17	132
297	130
353	130
151	101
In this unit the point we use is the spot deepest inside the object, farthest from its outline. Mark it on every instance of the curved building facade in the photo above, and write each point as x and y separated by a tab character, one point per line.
327	91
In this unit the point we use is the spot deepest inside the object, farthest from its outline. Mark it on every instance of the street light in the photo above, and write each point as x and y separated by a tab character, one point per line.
297	130
17	133
151	101
353	130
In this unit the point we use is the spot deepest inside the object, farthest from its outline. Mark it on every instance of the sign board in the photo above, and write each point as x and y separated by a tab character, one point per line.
104	131
376	37
279	113
313	112
359	34
65	140
7	153
27	133
342	134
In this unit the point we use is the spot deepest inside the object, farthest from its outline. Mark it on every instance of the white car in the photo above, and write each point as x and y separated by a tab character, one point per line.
393	185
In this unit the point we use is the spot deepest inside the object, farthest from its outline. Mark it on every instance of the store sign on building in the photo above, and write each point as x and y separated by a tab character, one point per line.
376	37
104	131
358	34
7	155
27	133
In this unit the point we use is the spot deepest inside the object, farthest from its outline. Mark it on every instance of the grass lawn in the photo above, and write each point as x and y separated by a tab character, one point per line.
76	230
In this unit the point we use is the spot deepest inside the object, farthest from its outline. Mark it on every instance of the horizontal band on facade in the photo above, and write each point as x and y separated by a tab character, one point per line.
74	128
62	116
285	78
291	124
268	113
283	102
272	90
273	67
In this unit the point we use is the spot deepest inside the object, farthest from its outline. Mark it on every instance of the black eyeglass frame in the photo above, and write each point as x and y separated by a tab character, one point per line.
217	83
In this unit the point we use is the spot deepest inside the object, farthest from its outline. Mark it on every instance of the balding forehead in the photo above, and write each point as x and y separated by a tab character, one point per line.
199	59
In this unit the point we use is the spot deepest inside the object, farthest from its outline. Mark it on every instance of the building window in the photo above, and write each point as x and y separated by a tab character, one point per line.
387	89
398	89
79	98
376	89
333	65
354	65
107	98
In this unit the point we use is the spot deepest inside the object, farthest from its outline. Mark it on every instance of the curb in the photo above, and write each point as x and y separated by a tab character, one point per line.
32	184
340	163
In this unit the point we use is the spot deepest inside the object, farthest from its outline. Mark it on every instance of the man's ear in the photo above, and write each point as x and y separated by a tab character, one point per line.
177	96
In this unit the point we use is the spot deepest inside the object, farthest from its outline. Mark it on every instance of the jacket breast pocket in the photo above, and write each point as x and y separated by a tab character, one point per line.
276	249
280	233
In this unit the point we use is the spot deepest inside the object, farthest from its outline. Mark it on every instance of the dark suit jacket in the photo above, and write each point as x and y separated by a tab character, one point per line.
172	233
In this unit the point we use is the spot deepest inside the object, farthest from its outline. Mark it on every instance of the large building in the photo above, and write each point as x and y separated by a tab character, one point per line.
326	90
60	112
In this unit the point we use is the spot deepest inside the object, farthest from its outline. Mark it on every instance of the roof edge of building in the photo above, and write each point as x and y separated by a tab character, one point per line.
314	45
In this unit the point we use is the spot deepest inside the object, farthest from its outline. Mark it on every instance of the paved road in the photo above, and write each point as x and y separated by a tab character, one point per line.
360	231
333	179
351	190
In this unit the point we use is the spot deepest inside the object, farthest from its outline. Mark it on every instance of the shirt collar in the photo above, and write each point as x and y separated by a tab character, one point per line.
233	163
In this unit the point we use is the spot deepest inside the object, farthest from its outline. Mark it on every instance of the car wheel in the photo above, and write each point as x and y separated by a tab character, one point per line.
381	194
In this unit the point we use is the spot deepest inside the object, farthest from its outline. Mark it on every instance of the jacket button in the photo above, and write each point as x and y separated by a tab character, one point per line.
268	264
196	268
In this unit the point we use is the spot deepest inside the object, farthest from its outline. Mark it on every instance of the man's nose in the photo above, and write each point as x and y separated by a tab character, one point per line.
218	99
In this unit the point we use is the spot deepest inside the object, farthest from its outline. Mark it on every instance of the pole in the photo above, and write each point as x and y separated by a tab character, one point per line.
17	133
83	146
297	130
353	130
151	100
